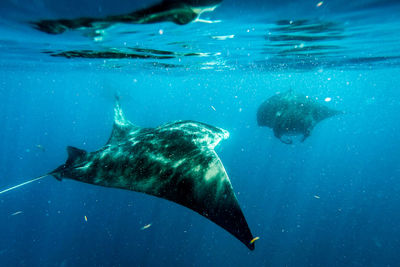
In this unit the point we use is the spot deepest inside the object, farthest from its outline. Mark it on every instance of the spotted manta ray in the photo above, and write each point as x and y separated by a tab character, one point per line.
175	161
180	12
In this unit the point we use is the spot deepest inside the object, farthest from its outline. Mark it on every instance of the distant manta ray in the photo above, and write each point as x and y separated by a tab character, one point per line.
175	161
291	114
180	12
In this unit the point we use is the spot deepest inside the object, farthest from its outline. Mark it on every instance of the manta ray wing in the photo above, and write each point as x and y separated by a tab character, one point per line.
175	161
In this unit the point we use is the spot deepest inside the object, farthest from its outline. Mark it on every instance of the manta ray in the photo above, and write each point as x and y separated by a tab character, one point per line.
175	161
180	12
290	113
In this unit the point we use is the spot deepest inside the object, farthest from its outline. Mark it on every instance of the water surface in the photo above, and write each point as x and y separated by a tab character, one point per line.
330	201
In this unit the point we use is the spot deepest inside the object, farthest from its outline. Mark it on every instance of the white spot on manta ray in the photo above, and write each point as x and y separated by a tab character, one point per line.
197	168
214	172
159	158
178	163
87	165
211	172
103	154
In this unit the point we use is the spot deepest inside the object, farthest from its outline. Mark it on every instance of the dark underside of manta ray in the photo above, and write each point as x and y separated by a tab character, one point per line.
290	113
180	12
175	161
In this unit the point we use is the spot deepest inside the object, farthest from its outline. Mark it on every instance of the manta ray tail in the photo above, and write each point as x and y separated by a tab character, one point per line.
24	183
74	155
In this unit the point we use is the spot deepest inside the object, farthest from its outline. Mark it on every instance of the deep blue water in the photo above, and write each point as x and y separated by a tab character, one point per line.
330	201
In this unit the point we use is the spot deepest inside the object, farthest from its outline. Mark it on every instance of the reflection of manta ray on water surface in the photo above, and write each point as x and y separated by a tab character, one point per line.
291	114
175	161
177	11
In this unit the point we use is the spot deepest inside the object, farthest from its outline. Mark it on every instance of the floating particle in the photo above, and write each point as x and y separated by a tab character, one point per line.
328	99
85	218
317	197
320	3
17	212
222	38
145	227
161	31
254	239
213	108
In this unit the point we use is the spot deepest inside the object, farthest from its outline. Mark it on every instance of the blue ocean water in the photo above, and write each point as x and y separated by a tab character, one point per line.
332	200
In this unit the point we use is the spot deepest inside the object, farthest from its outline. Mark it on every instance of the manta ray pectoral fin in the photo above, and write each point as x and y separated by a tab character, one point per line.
206	189
325	112
185	169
